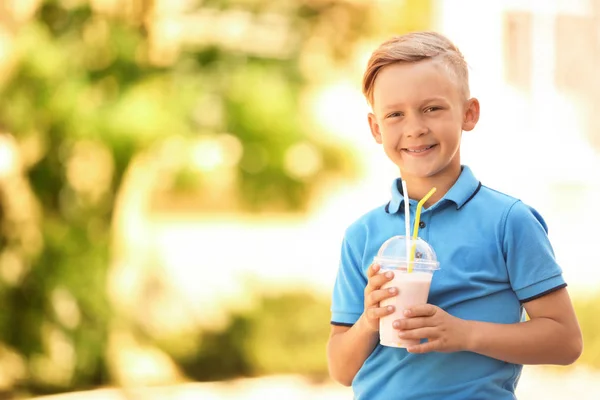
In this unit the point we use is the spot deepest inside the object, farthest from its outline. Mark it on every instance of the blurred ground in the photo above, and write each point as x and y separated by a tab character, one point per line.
536	383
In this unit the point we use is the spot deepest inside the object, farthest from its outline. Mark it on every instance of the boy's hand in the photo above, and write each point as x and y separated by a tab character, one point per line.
444	332
374	294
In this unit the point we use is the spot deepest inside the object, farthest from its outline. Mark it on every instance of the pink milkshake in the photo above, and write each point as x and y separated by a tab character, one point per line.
413	284
413	289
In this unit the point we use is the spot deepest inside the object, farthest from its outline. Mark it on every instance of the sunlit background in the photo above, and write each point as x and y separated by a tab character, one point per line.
176	177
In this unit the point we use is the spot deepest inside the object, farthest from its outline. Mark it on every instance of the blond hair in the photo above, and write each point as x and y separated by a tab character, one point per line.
414	47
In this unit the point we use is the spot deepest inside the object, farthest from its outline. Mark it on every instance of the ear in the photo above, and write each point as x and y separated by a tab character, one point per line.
471	116
375	130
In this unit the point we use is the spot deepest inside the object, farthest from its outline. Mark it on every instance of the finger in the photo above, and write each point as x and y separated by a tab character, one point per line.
372	270
376	281
377	296
413	323
421	333
423	348
423	310
378	312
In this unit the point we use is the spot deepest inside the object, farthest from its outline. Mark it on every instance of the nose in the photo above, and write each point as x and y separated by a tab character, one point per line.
415	126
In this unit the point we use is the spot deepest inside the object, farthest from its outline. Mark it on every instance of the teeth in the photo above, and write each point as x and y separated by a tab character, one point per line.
419	151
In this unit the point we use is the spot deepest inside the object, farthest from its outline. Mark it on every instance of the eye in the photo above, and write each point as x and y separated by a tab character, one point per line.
432	108
394	115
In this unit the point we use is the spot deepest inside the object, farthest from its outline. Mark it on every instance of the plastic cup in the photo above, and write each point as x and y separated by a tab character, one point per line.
413	287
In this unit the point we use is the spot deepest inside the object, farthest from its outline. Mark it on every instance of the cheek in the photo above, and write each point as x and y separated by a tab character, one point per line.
443	124
390	141
449	130
390	133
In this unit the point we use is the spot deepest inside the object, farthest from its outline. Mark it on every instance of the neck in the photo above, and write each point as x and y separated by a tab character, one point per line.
418	187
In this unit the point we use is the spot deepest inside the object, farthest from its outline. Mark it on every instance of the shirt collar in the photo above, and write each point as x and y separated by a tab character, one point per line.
463	190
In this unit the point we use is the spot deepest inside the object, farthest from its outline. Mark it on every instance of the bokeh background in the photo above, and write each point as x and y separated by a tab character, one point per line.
176	177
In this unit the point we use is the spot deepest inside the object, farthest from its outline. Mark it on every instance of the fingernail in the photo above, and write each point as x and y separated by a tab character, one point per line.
392	290
389	274
390	308
396	324
407	313
375	267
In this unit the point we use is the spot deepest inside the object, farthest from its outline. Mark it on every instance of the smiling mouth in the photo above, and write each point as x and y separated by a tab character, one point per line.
420	149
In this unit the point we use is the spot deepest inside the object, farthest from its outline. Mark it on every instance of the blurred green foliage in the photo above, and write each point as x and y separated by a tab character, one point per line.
283	334
84	93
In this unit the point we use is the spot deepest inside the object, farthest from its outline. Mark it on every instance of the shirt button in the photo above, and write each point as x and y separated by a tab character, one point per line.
422	225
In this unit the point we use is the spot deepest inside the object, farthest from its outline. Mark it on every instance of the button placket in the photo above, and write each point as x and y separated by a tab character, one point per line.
424	225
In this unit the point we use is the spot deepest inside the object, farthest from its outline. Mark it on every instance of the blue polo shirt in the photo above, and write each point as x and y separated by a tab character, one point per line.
494	255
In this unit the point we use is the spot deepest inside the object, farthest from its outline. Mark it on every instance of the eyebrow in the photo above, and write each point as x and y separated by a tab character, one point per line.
434	99
427	100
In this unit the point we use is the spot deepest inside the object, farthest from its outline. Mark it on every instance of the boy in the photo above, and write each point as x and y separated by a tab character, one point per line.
494	252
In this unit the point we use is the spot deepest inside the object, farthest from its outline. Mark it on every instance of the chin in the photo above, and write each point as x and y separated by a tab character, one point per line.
419	173
429	171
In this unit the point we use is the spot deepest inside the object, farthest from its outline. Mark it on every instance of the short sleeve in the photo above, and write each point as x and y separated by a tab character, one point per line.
348	292
532	267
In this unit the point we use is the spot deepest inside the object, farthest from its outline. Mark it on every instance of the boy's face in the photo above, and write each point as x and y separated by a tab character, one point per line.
419	113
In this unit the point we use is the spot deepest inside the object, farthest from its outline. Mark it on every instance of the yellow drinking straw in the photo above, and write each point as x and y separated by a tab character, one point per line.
416	228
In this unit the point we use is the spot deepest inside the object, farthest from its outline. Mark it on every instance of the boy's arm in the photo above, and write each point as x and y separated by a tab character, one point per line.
348	348
551	336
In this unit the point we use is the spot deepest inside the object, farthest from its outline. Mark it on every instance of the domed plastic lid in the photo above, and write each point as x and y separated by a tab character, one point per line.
392	254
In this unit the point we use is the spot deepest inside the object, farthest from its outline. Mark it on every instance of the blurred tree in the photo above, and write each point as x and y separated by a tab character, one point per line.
89	84
71	80
284	334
